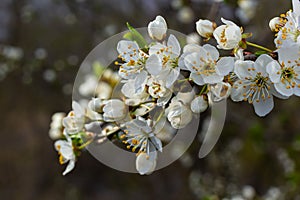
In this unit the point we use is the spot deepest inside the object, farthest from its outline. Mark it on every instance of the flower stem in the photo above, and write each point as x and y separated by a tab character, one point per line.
183	80
85	144
258	46
203	90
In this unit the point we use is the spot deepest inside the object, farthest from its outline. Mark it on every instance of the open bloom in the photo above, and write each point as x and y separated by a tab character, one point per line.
134	59
206	67
114	110
75	120
158	90
133	95
254	84
66	153
157	29
228	36
141	135
163	59
289	29
205	28
285	74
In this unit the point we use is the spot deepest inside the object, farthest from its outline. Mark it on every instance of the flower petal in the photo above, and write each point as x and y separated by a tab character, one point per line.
192	61
237	92
212	51
197	79
273	69
174	44
199	105
157	143
282	89
225	65
78	110
263	107
145	164
172	77
212	78
154	65
70	166
127	49
243	69
261	63
140	82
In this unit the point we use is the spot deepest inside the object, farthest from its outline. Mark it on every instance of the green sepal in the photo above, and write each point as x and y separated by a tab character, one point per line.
246	35
134	35
243	44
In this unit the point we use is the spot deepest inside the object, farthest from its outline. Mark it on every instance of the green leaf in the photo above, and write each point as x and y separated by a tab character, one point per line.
134	35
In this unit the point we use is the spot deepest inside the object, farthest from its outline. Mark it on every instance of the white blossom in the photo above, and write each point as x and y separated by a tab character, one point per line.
158	90
205	28
164	60
206	67
254	84
179	111
178	114
66	153
75	120
134	59
157	29
285	73
97	104
141	134
219	91
133	92
290	32
228	36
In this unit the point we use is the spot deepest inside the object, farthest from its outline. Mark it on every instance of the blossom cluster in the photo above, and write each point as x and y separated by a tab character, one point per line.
165	84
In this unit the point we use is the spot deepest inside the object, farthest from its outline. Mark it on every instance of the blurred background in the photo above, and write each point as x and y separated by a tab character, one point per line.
43	42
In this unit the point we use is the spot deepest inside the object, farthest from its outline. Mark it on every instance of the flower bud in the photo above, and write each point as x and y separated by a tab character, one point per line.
228	36
178	114
157	29
205	28
199	104
96	105
220	91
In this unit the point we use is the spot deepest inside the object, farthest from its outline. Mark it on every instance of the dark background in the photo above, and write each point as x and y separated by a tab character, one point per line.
54	36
